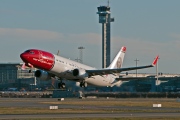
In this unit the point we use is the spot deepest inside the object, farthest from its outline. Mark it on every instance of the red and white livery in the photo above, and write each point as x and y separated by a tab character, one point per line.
50	65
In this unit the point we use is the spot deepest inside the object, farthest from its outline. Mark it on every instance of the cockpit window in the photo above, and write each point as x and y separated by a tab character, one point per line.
26	51
31	52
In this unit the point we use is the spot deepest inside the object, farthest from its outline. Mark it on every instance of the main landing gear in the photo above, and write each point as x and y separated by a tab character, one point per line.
83	84
61	85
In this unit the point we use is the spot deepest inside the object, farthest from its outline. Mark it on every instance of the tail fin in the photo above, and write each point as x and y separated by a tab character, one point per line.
118	60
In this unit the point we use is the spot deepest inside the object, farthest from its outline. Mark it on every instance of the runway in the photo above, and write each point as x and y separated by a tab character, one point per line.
92	115
81	111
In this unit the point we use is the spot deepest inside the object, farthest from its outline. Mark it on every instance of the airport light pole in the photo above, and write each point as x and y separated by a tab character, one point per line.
136	65
81	53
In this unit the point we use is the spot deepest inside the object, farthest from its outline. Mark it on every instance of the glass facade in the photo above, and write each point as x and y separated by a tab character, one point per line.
10	72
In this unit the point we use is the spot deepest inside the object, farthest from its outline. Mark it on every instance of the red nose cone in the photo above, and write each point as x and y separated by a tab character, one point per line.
38	58
23	56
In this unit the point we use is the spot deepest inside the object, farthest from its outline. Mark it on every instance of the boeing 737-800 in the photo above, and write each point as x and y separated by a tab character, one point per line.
50	65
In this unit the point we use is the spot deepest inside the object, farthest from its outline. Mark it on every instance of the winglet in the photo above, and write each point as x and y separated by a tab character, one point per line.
155	61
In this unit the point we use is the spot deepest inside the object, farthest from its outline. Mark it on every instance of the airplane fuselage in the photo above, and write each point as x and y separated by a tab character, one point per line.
51	65
63	67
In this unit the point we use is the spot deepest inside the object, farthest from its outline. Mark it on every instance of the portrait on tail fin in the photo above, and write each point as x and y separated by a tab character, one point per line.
119	63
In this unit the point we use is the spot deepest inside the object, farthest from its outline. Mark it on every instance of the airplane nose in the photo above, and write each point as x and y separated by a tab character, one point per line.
23	56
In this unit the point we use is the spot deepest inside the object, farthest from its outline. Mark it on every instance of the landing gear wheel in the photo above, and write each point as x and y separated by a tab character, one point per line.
83	84
30	71
61	85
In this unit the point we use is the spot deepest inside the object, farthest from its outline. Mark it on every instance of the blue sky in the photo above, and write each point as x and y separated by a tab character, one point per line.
146	28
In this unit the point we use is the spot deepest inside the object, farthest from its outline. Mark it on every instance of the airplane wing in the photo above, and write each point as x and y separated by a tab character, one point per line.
118	70
131	78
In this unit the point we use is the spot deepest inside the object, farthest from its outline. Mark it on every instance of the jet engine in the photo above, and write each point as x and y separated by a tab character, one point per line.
80	73
41	74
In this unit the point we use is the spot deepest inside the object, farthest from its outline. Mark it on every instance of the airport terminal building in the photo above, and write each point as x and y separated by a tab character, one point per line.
11	76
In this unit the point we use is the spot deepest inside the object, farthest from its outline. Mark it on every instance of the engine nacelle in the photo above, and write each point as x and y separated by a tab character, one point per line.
41	74
80	73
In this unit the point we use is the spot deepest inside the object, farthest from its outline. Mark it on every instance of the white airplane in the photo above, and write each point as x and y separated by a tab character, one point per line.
53	66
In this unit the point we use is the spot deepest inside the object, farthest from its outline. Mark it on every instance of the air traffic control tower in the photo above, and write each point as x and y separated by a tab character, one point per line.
105	19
